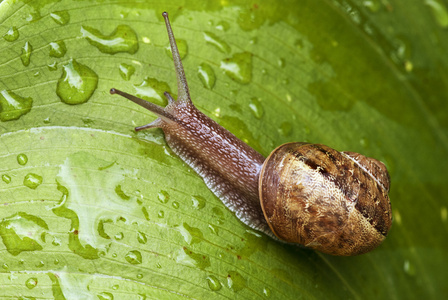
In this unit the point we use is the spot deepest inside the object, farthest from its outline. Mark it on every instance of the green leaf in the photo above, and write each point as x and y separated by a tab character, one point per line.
91	209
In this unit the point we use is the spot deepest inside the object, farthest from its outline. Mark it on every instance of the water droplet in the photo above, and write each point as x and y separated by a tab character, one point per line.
33	17
256	107
365	142
159	266
191	235
6	178
182	46
214	40
26	54
409	268
444	214
22	232
285	129
61	17
213	283
126	71
281	62
439	11
238	67
5	266
13	106
31	283
134	257
235	281
115	287
22	159
163	196
77	83
175	204
372	5
267	292
32	180
120	193
58	49
397	216
198	202
213	229
141	237
53	66
161	214
56	241
222	25
207	75
122	39
119	236
187	257
152	90
12	34
105	296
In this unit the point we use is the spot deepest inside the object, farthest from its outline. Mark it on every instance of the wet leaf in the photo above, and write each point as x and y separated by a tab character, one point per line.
92	209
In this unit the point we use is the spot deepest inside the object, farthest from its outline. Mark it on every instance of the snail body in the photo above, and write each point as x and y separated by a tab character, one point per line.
309	194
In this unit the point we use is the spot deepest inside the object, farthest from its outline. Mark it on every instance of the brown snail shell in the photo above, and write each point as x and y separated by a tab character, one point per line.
327	200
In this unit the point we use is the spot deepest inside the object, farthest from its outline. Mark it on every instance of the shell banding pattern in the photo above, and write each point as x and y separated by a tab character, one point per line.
327	200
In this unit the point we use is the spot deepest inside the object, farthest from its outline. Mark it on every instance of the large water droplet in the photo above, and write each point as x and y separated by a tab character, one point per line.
58	49
13	106
267	292
126	71
182	46
119	191
238	67
87	236
22	159
134	257
77	83
6	178
27	49
61	17
152	90
235	281
213	283
187	257
22	232
31	283
141	237
32	180
439	11
191	235
198	202
207	75
214	40
122	39
163	196
12	34
256	107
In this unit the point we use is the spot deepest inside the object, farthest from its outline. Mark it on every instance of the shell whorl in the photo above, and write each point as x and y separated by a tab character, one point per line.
316	196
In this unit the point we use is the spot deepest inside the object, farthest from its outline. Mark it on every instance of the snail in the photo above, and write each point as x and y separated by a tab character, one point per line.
308	194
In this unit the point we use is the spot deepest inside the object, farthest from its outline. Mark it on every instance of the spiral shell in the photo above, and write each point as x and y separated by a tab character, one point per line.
331	201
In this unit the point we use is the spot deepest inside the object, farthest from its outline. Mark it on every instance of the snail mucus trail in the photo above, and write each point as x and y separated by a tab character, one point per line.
334	202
